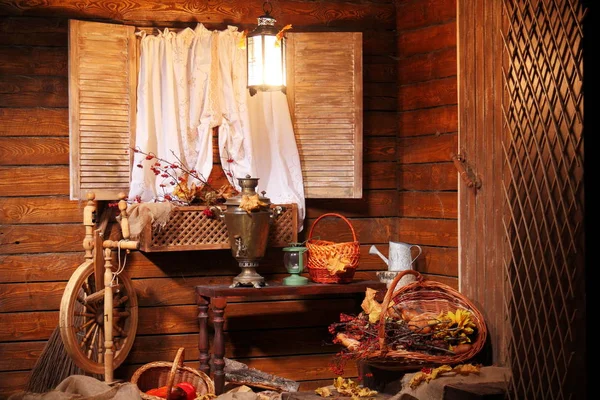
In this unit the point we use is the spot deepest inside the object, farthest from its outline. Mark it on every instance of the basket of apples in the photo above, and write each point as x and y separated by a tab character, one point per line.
172	380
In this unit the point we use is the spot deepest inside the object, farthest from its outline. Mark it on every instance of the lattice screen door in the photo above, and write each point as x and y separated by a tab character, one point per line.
522	237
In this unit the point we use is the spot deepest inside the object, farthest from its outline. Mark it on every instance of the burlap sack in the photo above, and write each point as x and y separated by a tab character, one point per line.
82	387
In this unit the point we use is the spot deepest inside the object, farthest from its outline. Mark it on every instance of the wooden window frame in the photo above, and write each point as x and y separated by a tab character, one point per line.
334	120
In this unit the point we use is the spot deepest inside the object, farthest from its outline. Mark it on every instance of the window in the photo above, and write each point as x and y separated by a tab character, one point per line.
324	94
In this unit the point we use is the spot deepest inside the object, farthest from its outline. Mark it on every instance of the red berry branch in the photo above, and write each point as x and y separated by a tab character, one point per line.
182	185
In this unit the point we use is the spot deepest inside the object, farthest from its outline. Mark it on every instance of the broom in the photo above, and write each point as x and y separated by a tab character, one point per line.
54	364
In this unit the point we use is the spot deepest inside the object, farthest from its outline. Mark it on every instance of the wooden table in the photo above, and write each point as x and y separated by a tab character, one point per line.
215	296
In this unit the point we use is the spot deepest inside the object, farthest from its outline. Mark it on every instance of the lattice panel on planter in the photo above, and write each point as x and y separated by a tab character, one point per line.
189	228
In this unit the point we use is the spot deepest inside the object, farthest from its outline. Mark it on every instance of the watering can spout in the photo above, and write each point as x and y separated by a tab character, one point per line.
373	250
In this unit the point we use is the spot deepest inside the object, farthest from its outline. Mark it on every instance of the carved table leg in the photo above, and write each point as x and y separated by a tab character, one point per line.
218	307
203	303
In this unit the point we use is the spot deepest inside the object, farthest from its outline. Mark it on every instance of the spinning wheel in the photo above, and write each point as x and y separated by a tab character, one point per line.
82	319
99	310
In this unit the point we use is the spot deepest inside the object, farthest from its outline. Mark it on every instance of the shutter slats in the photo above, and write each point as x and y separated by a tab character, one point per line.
325	96
92	113
101	170
116	144
102	73
100	98
99	122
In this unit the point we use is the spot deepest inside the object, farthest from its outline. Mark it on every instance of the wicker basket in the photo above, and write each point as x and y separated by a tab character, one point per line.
428	296
163	373
320	252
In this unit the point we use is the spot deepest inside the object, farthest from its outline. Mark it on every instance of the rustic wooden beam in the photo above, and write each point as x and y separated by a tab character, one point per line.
417	14
330	13
433	232
427	149
441	176
34	122
34	151
428	121
432	204
427	39
427	94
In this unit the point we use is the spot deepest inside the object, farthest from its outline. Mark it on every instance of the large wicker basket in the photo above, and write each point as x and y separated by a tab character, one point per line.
428	296
321	252
164	373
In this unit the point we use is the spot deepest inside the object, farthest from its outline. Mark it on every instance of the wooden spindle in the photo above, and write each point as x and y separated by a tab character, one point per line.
124	216
89	221
108	317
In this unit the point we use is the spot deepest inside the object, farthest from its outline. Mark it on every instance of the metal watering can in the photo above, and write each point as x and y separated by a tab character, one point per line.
400	256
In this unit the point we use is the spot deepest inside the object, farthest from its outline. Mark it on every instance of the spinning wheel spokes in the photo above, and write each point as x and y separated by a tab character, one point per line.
82	319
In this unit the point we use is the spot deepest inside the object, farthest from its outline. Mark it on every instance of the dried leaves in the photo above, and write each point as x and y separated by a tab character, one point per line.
370	306
185	191
252	203
337	263
190	193
241	44
280	34
427	374
460	324
347	388
324	391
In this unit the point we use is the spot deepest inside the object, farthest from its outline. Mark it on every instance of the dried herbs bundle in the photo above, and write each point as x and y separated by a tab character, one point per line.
423	323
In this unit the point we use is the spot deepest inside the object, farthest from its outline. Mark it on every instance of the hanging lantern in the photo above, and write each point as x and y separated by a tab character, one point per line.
266	55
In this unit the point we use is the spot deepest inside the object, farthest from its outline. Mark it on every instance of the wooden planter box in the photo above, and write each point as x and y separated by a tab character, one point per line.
189	229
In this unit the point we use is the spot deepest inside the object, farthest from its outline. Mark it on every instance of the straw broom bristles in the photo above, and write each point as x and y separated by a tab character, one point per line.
53	366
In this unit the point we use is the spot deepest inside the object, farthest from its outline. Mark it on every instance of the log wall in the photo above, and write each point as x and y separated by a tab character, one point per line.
409	183
428	134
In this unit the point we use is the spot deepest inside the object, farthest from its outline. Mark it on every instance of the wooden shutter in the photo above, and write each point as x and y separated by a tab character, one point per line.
102	87
324	91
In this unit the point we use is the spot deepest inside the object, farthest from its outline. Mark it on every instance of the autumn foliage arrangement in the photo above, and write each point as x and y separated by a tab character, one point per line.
182	185
419	324
343	387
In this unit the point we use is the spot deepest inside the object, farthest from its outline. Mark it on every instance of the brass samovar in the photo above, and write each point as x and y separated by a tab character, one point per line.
248	230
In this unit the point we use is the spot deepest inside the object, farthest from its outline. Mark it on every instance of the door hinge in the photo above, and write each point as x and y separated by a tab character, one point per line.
466	173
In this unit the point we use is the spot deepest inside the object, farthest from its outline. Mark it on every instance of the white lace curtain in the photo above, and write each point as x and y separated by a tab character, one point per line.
194	80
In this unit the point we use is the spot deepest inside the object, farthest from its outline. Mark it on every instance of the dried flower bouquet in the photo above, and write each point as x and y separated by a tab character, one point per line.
183	186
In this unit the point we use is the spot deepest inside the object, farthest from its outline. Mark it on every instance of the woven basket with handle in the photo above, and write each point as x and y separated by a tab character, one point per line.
322	252
426	297
163	373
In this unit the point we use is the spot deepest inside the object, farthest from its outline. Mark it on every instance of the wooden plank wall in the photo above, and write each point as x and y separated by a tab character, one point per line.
428	134
41	230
